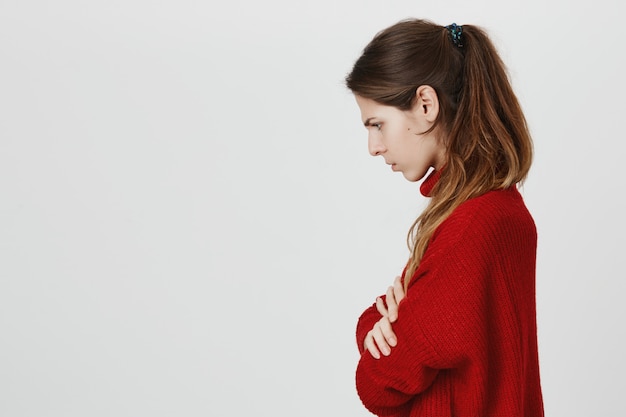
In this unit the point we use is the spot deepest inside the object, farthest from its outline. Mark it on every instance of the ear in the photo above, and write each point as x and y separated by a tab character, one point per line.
426	103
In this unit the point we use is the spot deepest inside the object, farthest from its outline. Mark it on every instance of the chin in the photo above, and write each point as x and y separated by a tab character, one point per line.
413	176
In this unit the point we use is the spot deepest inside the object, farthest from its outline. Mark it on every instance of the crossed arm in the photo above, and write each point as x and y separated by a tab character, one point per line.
381	338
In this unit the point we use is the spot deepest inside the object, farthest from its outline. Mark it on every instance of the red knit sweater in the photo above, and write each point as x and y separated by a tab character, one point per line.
467	333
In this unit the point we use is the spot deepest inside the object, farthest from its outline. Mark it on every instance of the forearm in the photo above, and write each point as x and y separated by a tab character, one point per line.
386	385
365	323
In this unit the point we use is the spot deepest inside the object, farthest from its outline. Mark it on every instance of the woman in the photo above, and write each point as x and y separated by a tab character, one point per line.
456	334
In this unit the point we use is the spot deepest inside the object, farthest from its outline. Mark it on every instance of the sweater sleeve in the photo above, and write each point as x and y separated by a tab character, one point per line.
440	320
365	324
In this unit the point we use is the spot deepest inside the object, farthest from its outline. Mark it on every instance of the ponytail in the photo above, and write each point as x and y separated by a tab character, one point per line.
489	123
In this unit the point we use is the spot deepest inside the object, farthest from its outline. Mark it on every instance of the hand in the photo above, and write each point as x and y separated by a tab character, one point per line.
382	338
395	294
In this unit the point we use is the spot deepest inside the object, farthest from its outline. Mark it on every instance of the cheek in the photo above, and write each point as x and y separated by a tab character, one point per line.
400	137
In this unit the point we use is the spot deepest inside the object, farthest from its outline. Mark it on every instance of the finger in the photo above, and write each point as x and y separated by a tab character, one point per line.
384	326
379	340
398	289
392	305
383	336
380	306
370	346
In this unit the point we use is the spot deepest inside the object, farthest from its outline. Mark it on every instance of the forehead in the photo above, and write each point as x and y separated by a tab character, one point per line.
366	104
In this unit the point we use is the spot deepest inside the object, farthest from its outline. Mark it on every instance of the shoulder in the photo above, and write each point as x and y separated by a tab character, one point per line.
496	216
493	209
483	236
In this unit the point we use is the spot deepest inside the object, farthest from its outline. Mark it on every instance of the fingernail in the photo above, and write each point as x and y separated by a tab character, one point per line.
393	341
386	351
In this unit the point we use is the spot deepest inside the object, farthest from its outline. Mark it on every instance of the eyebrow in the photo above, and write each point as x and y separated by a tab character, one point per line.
367	122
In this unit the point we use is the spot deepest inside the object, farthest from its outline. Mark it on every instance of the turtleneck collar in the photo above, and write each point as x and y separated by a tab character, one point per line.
429	183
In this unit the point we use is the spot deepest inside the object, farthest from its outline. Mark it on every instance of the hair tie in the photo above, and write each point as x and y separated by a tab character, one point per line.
455	33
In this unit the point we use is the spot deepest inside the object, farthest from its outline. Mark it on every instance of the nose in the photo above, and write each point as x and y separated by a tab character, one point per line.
374	144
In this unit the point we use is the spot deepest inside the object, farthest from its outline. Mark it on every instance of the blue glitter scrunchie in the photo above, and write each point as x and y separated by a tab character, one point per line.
455	33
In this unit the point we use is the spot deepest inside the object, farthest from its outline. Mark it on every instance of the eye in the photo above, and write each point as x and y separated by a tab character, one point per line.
378	126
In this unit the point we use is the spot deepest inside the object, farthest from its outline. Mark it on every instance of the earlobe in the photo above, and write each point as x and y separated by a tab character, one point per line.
427	101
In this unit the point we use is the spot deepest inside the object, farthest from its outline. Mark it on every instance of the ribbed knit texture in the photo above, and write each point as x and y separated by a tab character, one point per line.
467	333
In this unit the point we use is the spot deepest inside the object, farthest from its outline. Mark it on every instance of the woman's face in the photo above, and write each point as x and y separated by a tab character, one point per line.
398	136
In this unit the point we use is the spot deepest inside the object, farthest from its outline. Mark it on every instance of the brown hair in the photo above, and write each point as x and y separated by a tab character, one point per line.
488	145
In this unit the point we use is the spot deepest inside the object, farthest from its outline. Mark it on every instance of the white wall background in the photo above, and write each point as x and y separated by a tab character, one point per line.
190	223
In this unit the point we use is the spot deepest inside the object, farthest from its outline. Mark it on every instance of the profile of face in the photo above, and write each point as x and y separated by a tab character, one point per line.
399	135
